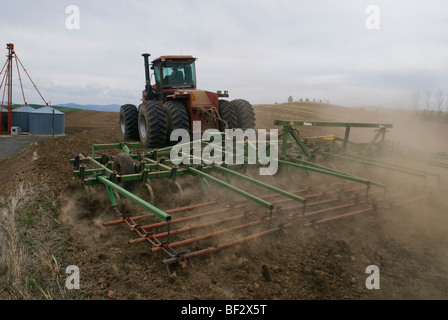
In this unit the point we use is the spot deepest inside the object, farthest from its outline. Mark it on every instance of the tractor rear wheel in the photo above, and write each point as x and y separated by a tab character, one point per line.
228	113
123	164
152	124
245	112
176	118
128	122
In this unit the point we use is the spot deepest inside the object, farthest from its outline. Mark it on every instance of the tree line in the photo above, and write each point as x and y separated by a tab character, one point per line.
430	101
291	100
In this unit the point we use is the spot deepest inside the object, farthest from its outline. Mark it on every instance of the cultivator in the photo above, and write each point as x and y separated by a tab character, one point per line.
239	207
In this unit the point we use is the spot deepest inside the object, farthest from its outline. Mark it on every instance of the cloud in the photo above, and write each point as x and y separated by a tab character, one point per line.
263	51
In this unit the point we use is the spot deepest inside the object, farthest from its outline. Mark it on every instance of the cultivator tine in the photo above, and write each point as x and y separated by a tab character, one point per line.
155	225
223	246
316	223
213	234
410	200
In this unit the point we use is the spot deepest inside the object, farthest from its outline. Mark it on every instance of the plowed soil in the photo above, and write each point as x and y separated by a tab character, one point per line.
407	243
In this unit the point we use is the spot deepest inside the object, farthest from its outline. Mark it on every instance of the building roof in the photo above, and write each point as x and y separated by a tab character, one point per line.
24	109
47	109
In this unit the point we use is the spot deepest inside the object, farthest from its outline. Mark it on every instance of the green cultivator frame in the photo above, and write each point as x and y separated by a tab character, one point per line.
240	205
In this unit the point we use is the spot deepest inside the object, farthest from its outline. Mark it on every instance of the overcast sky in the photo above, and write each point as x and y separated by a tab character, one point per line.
259	50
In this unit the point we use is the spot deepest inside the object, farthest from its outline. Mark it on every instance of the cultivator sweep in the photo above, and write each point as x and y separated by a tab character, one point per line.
240	204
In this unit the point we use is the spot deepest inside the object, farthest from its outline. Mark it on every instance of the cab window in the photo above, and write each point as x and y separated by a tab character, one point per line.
178	73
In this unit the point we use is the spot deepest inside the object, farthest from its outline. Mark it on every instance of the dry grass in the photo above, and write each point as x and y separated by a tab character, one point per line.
29	265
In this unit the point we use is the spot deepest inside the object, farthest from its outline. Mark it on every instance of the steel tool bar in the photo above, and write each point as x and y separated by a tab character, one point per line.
187	208
332	173
153	209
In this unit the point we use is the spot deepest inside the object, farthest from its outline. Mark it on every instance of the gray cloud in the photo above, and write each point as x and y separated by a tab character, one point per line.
263	51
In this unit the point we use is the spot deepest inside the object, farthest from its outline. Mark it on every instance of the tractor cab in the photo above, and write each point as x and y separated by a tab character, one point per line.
172	73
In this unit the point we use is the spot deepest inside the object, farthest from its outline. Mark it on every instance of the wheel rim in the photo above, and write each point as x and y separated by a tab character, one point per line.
122	125
142	126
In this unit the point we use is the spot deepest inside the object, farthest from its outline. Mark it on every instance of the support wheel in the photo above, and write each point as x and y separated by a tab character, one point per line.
152	124
123	165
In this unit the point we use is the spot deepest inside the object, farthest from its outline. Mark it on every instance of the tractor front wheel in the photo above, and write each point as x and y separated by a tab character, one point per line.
152	124
128	122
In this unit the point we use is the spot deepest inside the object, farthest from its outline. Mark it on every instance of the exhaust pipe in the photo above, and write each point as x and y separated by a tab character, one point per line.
149	94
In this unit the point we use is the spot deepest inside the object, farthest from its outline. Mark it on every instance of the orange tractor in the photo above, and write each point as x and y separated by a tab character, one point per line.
174	102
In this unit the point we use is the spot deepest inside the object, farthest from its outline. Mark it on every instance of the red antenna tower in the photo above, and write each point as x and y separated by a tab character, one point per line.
7	81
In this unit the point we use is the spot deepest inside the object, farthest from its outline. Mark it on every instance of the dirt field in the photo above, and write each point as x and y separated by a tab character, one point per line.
407	243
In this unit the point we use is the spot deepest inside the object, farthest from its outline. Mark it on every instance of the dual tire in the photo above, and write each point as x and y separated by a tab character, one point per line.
237	113
153	123
176	118
146	124
228	114
245	114
128	122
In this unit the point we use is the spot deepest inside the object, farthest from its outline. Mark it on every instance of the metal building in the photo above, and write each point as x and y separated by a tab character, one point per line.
20	117
47	121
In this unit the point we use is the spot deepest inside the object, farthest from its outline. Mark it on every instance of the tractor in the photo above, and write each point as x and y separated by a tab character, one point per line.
174	102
